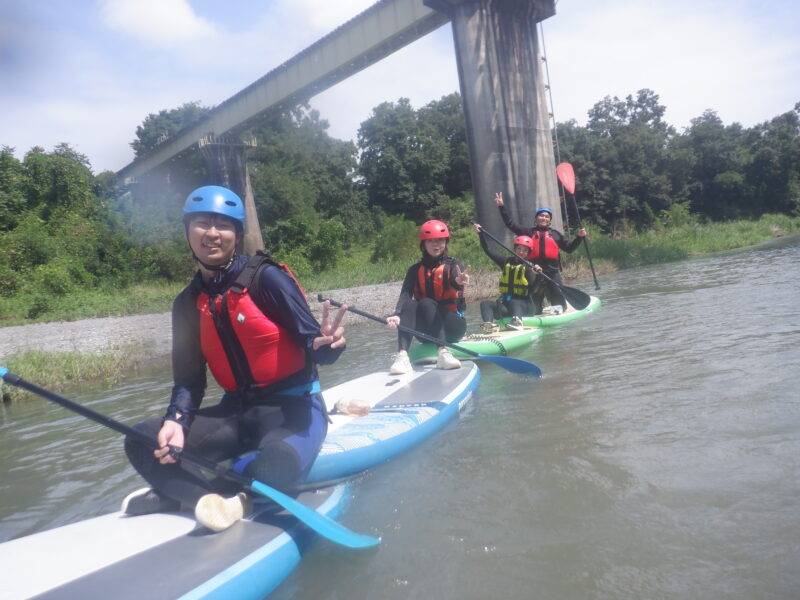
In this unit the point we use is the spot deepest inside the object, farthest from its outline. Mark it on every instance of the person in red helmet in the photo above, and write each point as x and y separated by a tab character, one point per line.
545	251
431	299
518	284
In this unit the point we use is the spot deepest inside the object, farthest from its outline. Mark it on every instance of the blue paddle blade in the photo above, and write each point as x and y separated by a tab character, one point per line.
323	525
515	365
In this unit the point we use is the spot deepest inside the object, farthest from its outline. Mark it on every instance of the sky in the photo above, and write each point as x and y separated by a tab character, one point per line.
88	72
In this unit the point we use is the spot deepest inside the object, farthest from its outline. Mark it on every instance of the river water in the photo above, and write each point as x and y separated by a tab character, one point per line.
659	457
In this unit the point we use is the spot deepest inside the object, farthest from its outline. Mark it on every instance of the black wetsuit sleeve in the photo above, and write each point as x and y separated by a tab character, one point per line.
516	228
407	289
279	297
188	362
564	244
499	260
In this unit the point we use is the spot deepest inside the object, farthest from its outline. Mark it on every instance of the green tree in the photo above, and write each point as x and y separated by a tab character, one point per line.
157	128
446	117
716	188
773	171
623	162
13	182
298	172
404	161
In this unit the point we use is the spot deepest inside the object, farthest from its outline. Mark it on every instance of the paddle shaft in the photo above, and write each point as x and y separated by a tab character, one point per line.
420	334
565	291
106	421
585	243
566	175
320	523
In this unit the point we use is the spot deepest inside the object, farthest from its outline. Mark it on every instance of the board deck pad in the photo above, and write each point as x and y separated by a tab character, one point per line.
544	320
153	570
499	343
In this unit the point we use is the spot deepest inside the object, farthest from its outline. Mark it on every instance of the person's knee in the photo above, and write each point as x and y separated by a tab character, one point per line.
277	465
136	449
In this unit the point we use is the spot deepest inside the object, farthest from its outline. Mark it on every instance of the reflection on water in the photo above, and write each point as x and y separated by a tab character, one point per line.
658	458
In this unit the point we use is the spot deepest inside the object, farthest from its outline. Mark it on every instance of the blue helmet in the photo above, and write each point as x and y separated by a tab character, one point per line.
216	200
543	209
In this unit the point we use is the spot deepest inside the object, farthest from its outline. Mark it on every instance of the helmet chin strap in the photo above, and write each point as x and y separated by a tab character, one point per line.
217	268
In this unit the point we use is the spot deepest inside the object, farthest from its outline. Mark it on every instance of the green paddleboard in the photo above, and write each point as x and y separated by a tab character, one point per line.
545	320
500	343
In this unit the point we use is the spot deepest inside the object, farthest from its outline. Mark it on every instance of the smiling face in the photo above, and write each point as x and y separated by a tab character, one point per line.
521	250
436	247
543	219
212	238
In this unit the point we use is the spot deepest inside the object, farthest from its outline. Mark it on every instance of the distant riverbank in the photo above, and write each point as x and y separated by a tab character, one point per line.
152	333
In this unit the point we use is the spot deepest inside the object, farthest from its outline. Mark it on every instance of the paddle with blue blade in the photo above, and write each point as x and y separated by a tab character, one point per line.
323	525
514	365
578	299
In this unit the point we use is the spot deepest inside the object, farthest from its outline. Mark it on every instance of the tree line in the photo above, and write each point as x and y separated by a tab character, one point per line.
63	227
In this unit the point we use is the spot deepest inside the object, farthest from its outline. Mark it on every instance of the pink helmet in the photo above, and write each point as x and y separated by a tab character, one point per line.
433	230
523	240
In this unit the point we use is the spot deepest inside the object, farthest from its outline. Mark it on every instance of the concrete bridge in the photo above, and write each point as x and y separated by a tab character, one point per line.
507	120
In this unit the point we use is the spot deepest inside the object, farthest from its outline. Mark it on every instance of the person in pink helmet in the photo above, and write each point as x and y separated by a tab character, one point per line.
431	299
518	285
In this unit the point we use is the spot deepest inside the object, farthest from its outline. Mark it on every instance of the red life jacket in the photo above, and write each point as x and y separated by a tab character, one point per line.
435	283
244	348
544	246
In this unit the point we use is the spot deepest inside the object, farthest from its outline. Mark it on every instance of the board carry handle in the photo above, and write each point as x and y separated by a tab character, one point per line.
322	524
514	365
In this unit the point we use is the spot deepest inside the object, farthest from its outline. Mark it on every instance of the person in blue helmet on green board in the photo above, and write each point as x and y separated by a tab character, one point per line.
248	321
547	243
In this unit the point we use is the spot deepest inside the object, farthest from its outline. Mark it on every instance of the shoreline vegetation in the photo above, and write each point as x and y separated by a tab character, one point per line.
371	287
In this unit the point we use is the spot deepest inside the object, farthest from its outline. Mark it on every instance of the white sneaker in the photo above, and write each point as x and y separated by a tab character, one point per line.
515	323
401	364
446	360
218	513
489	327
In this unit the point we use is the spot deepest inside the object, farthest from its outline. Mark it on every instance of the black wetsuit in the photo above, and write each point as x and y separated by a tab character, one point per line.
426	314
282	426
508	306
550	266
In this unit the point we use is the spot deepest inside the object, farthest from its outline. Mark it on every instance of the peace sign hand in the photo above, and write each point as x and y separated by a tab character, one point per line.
332	333
462	277
498	198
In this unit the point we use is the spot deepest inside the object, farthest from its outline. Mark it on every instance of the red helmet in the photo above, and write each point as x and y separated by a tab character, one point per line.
433	230
523	240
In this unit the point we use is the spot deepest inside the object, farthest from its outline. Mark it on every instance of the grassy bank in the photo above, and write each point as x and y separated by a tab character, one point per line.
56	369
357	268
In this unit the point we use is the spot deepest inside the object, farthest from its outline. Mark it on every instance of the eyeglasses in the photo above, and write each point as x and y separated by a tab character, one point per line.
206	223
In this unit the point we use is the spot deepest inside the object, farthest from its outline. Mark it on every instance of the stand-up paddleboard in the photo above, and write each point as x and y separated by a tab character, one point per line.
403	411
163	555
500	343
545	320
169	556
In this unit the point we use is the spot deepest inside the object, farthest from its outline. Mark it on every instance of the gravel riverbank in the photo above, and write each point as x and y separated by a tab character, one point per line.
153	332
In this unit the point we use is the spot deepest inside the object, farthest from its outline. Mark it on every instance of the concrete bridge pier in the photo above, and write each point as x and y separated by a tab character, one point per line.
507	119
226	160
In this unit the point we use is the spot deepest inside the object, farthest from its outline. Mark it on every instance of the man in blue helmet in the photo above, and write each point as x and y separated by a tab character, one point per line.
247	319
544	253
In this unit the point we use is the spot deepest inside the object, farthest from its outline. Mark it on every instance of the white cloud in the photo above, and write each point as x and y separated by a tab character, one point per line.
88	76
166	23
696	56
